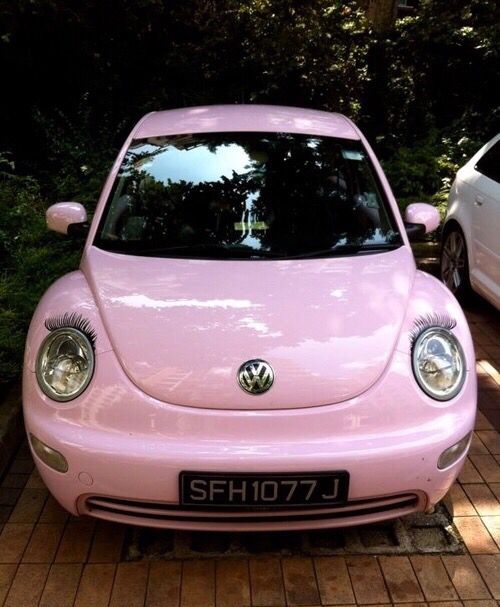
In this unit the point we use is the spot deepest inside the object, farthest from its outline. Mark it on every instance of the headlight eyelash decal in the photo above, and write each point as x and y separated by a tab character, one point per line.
431	320
72	321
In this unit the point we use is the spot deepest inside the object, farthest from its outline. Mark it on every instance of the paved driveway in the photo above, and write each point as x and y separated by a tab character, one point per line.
48	558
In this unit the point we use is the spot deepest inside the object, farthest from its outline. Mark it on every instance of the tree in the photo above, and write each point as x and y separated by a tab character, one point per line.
380	13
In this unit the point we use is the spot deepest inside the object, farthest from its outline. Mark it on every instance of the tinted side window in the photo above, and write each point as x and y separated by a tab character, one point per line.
489	164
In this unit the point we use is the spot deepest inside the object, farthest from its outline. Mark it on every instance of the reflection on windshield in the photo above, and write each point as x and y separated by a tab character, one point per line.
274	193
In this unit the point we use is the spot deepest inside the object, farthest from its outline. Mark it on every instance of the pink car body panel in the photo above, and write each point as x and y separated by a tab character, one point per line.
211	321
58	216
420	212
171	334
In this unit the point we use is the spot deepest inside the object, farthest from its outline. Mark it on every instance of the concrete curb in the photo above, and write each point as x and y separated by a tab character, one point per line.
11	426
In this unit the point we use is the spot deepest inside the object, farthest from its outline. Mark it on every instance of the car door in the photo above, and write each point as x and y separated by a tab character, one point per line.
484	181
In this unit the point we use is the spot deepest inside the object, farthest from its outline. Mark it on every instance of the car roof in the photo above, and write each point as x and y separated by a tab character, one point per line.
234	118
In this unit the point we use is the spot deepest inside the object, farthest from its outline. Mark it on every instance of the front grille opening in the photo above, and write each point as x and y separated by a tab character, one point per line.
155	511
408	534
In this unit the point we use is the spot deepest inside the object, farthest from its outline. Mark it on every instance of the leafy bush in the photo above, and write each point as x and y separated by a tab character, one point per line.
429	165
32	259
436	71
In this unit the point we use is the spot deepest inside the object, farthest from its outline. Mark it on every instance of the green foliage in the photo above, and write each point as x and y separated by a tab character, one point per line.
431	99
74	167
32	258
429	165
436	70
309	53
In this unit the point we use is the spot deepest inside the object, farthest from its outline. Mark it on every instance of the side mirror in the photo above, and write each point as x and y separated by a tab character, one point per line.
420	218
67	218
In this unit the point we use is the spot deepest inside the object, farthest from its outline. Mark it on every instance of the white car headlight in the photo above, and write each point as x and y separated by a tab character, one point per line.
65	364
438	363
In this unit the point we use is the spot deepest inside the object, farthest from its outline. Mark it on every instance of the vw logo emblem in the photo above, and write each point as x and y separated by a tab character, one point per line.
255	376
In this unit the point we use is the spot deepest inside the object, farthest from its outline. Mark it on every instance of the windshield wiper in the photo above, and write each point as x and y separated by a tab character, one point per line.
219	250
346	249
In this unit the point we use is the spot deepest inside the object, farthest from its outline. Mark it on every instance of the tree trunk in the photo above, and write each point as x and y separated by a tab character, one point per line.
380	13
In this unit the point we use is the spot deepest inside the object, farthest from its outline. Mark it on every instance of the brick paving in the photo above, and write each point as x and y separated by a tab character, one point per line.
51	559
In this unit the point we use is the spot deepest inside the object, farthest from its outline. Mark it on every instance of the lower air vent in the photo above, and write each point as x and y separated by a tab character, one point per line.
159	514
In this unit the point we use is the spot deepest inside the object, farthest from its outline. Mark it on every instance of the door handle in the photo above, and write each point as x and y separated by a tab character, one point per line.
479	201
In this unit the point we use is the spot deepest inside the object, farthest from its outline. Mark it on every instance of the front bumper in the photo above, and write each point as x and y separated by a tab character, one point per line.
125	451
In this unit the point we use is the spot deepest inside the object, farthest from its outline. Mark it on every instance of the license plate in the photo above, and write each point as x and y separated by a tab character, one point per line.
209	489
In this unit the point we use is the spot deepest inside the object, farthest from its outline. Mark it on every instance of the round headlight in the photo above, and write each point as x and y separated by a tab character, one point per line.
65	364
439	363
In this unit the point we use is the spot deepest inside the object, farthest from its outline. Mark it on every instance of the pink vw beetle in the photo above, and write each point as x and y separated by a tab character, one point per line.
248	344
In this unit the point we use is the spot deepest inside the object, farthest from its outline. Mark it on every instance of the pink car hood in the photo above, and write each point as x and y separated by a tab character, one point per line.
182	328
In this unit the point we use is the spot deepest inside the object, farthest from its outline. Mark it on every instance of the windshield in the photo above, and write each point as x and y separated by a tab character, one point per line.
246	195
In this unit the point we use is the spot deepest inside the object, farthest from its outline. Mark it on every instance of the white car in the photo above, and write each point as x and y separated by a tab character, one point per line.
470	254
